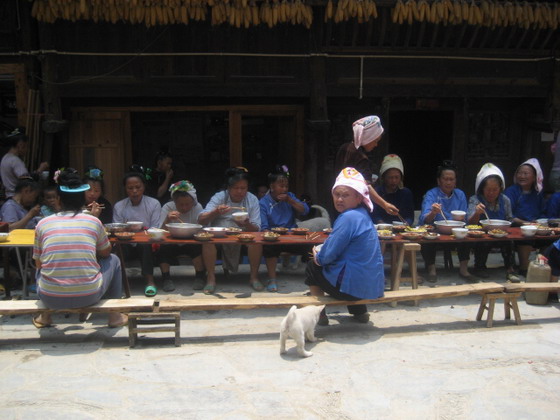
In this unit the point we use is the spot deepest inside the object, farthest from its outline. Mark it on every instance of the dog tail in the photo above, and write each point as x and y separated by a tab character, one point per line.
289	320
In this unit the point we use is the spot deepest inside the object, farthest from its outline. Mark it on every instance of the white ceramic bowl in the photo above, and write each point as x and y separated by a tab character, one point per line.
489	224
458	215
4	236
218	232
155	233
528	230
459	233
183	230
135	226
445	226
240	216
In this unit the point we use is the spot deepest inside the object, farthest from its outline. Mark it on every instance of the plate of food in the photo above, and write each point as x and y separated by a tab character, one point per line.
245	237
385	234
429	228
233	231
473	227
430	235
280	230
203	236
418	229
411	236
544	231
270	236
399	228
475	233
497	233
124	236
300	231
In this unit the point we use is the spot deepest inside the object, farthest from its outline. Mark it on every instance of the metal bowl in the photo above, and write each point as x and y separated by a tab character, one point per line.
116	227
445	226
183	230
488	224
218	232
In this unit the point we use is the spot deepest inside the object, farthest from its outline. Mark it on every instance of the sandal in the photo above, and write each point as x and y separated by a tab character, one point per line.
209	289
39	324
150	291
257	285
271	286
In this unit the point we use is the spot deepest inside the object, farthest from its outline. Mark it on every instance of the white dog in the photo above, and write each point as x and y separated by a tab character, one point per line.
299	324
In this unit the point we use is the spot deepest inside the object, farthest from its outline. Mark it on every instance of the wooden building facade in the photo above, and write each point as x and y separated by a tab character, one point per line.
216	95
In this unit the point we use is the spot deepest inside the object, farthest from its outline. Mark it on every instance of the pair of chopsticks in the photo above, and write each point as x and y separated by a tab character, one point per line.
402	219
312	236
238	208
101	206
179	219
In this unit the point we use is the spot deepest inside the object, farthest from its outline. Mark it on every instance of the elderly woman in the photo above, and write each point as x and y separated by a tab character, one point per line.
393	191
349	265
97	204
279	208
367	134
139	207
218	212
184	208
73	257
490	200
527	203
444	198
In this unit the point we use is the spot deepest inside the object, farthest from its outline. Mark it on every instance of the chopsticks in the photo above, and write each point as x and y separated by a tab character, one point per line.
486	214
312	236
238	208
401	219
101	206
443	215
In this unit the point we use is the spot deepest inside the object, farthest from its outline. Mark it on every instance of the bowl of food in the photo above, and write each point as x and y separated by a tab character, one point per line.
270	236
543	231
429	228
112	228
542	221
327	231
240	216
473	227
529	230
412	236
475	233
419	229
489	224
245	237
430	235
218	232
459	233
124	236
183	230
134	226
458	215
280	230
156	234
385	234
300	231
4	236
554	222
203	236
384	226
399	228
233	231
445	226
497	233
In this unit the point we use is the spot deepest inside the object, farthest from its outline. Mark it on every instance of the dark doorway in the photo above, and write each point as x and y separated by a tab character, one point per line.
423	139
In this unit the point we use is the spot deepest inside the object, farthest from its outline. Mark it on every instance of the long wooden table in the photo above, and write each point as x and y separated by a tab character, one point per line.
19	238
396	244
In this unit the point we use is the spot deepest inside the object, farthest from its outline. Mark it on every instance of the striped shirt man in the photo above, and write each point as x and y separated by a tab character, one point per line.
66	245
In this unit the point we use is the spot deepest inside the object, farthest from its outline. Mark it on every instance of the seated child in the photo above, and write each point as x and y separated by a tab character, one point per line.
51	201
279	208
349	264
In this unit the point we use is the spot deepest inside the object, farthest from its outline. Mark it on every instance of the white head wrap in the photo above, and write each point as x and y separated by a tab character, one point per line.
350	177
392	162
487	170
366	130
535	164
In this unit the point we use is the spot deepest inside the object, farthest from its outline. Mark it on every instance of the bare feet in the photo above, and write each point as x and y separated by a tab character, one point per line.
117	320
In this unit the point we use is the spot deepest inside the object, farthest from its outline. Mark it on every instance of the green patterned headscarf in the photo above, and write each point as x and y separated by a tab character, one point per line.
184	186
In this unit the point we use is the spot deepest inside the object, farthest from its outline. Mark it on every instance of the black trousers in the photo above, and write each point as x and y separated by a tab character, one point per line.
314	277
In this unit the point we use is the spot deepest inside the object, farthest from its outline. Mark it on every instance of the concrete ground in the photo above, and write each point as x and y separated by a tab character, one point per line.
431	361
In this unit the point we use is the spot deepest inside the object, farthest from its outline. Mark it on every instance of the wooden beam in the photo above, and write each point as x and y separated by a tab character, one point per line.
235	140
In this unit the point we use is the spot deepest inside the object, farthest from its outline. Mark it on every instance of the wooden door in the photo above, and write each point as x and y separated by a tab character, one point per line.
102	139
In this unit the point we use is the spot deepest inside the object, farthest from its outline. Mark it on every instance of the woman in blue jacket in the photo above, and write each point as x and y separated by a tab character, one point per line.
349	265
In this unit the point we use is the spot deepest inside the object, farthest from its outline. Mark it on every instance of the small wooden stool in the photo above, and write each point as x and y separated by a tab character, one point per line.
510	302
153	318
409	248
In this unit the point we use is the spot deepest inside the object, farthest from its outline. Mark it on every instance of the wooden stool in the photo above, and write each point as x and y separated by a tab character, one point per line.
409	249
510	302
153	318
